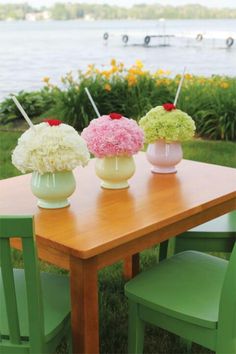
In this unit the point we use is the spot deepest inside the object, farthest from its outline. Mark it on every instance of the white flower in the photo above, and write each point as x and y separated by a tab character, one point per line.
46	148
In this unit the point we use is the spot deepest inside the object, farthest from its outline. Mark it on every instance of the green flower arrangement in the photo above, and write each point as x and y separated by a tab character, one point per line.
168	123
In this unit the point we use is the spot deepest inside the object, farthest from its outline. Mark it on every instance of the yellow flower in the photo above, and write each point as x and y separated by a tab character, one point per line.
113	62
114	69
107	87
160	72
69	77
106	73
91	67
132	80
224	85
188	76
121	67
202	81
166	81
132	70
163	81
46	79
139	64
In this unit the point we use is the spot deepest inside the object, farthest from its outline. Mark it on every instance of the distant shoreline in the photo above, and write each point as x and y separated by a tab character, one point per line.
91	12
118	19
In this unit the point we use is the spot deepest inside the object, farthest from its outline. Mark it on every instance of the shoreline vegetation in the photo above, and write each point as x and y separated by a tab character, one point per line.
131	91
82	11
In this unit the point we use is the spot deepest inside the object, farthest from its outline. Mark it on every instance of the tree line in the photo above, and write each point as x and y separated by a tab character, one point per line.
71	11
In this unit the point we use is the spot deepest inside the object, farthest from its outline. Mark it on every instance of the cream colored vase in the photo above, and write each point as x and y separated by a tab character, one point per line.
164	156
115	171
53	189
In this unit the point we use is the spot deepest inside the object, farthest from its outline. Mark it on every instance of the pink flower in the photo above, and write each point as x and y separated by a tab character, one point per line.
106	136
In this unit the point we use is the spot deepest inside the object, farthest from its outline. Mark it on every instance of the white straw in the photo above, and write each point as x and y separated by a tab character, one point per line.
21	109
179	87
92	102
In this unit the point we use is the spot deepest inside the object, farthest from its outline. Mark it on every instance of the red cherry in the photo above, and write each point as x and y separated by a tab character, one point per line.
168	106
52	122
115	115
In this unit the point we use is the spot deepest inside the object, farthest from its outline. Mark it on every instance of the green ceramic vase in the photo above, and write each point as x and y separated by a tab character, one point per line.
53	189
115	171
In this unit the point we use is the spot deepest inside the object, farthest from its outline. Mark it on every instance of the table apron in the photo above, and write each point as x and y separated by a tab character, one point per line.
165	233
62	259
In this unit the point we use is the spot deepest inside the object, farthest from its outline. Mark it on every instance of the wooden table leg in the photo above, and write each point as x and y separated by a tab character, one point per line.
131	266
84	305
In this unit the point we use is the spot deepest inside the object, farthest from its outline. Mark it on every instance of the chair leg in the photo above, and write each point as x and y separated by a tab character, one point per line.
186	344
69	345
163	248
136	330
226	345
166	249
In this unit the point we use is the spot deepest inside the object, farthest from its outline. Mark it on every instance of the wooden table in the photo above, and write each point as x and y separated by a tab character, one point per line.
103	226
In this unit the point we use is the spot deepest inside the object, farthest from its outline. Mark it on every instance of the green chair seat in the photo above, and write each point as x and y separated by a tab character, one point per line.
190	294
56	304
177	288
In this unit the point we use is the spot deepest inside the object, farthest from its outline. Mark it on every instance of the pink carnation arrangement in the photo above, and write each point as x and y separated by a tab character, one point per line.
113	135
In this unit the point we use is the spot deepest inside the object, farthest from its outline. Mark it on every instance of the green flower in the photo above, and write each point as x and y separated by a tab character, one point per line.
174	125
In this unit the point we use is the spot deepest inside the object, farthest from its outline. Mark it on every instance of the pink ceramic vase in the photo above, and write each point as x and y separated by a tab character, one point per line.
164	156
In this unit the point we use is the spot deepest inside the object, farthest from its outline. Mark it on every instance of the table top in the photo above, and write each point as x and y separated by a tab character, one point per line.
98	219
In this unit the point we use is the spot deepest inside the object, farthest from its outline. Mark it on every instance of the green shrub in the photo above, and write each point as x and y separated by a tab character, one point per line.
133	92
74	107
212	104
34	103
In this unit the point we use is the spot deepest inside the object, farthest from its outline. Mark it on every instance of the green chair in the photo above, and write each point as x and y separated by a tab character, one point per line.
34	306
190	294
217	235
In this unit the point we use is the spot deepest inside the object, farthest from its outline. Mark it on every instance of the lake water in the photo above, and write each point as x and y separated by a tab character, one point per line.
30	51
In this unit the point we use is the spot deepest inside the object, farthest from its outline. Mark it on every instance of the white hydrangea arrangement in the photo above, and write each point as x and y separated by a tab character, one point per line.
50	146
168	123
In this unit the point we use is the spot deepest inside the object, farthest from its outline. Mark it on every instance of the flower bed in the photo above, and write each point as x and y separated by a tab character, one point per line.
133	91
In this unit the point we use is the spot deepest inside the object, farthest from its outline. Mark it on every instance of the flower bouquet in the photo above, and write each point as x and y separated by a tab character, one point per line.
114	139
51	150
165	127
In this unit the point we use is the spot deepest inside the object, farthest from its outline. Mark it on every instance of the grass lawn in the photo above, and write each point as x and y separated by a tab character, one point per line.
113	304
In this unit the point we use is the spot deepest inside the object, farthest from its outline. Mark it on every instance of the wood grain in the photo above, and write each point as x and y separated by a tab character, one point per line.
99	220
84	306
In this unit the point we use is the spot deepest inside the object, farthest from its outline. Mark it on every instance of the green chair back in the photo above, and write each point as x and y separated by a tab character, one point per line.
227	308
21	226
217	235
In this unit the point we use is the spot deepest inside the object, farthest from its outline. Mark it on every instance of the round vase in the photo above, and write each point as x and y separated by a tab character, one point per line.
115	171
53	189
164	156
